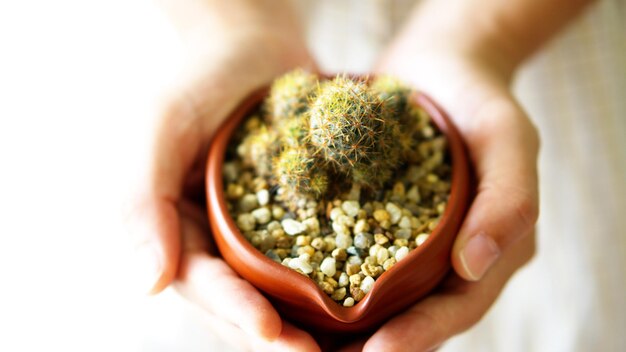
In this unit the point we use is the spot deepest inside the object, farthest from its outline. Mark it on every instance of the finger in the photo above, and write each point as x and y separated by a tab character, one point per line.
153	225
291	339
503	146
212	284
457	307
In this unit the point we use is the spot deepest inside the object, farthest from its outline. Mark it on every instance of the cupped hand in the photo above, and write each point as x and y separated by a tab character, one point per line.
168	217
497	235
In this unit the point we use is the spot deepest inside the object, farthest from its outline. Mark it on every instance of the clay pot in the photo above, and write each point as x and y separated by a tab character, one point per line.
297	297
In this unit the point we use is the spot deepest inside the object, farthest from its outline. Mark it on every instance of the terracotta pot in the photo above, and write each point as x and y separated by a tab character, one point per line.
297	297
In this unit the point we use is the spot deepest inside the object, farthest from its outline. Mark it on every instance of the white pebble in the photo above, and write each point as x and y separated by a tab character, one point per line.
401	253
246	222
345	220
340	229
262	215
349	302
293	227
312	225
263	197
343	241
394	211
421	238
335	212
374	250
382	255
361	226
351	207
328	267
344	280
299	263
405	223
367	284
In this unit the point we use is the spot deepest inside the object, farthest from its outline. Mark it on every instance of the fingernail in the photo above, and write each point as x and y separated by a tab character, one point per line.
479	254
148	266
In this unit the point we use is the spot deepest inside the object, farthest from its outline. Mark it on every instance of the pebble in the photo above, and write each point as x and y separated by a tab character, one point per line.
328	267
344	280
343	240
403	233
363	240
335	212
401	253
367	284
351	207
348	302
278	212
246	222
413	194
421	238
339	294
263	197
300	263
312	225
381	215
405	222
341	229
293	227
361	226
395	212
262	215
248	202
389	263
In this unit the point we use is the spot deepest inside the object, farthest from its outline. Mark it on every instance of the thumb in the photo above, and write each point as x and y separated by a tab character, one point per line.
503	145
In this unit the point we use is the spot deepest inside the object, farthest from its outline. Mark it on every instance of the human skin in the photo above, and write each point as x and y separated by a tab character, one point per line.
237	46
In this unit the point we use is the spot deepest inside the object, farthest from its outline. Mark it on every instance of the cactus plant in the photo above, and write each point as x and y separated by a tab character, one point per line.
296	172
289	96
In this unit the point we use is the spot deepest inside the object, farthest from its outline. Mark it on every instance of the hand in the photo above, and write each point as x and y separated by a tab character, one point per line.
168	220
497	235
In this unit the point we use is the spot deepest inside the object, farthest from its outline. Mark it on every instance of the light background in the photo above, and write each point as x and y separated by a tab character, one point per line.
79	82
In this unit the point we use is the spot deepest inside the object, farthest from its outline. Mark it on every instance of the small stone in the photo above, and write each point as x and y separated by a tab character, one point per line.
367	284
248	203
401	242
344	280
303	240
357	293
355	280
246	222
298	263
421	238
340	229
278	212
363	240
274	225
343	240
374	250
354	259
318	243
272	255
371	269
312	225
352	250
306	250
361	226
405	222
339	294
385	224
348	302
352	269
263	197
317	257
293	227
381	215
415	223
262	215
403	233
339	254
389	263
230	171
401	253
234	191
413	194
381	239
395	212
335	212
328	267
326	287
351	207
382	255
392	250
345	220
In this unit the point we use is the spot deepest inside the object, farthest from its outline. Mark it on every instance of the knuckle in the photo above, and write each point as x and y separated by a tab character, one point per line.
527	212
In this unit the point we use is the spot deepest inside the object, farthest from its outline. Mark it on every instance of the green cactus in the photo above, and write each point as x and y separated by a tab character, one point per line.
296	173
258	148
393	93
289	96
350	129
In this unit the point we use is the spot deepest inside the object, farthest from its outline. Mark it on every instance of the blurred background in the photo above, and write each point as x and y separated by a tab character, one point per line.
80	81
